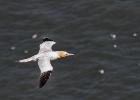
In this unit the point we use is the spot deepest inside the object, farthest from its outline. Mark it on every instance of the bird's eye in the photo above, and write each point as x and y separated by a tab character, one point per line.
66	54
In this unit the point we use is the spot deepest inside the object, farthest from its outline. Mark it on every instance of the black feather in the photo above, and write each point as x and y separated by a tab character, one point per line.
44	78
46	39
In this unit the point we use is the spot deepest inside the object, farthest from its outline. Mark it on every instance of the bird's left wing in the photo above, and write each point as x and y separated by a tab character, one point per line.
46	46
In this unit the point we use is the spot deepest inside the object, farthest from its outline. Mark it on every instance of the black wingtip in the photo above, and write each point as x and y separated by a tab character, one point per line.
44	77
46	39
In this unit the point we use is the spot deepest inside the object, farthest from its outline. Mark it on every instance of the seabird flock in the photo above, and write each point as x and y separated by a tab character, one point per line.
44	58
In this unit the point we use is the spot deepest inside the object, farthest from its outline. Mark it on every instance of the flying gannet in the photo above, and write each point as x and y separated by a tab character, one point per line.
44	58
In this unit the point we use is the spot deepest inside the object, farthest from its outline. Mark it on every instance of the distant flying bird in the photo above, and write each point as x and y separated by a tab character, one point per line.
44	58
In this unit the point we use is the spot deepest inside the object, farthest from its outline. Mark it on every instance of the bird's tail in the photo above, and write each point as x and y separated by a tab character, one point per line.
27	60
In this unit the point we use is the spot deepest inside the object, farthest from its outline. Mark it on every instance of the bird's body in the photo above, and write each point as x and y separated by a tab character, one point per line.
44	58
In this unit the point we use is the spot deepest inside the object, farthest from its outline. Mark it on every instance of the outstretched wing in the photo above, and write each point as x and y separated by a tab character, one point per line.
46	46
46	69
44	78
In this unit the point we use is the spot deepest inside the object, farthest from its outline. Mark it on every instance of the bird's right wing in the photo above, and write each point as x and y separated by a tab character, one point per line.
44	78
46	46
46	69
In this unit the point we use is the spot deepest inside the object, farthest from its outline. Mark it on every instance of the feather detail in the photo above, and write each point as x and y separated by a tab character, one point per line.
44	78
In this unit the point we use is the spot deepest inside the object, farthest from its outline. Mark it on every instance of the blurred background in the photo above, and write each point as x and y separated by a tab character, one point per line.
104	35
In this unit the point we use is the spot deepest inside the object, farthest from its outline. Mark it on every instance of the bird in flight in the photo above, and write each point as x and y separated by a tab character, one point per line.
44	58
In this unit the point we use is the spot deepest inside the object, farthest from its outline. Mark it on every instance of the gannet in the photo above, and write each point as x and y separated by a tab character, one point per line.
44	58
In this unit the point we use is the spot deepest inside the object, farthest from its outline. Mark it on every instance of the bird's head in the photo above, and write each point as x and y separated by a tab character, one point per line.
62	54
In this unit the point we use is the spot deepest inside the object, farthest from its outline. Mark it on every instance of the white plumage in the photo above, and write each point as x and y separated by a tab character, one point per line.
46	46
44	58
44	64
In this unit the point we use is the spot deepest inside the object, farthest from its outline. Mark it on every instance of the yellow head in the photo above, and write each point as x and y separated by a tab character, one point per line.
64	54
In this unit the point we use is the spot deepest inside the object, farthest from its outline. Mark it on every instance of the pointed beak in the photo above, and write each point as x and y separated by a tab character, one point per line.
70	54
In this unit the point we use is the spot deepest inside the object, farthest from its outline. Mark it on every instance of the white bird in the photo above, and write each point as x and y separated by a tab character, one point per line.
44	58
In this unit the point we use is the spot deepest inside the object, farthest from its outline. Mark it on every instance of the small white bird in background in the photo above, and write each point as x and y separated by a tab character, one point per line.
44	58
